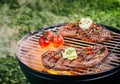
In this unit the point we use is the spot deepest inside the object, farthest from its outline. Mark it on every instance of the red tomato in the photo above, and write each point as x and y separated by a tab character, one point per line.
50	37
89	52
43	42
49	34
56	57
57	41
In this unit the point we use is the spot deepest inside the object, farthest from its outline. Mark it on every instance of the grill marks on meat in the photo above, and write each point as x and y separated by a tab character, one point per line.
59	65
96	33
79	63
47	62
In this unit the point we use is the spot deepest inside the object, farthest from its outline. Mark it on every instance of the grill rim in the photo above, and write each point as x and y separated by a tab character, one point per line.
50	27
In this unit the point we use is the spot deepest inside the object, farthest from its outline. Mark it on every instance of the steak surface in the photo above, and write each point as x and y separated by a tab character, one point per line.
85	59
96	33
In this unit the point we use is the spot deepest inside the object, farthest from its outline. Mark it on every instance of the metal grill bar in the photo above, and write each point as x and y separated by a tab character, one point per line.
78	40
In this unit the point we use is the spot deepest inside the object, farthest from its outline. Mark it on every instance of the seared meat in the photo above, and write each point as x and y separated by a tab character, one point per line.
59	65
95	33
87	58
72	32
91	63
48	60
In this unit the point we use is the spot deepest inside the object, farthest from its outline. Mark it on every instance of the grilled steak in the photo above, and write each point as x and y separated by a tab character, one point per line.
94	33
86	58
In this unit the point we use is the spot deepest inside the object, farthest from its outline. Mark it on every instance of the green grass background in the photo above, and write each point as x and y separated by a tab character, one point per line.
18	17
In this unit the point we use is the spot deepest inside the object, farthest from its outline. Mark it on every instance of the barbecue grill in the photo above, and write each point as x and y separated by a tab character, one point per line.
28	50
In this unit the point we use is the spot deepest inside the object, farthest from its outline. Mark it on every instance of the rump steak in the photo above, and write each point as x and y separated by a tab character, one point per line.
95	33
86	58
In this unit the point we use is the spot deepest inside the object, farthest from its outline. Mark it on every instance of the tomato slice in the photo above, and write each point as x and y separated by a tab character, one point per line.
43	42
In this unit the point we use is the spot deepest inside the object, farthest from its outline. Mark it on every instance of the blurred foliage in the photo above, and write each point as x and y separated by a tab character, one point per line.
18	17
33	14
10	72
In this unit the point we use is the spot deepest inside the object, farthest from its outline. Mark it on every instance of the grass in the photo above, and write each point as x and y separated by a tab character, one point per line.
18	17
10	71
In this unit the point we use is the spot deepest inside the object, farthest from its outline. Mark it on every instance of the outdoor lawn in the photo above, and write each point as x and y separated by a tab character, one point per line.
18	17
